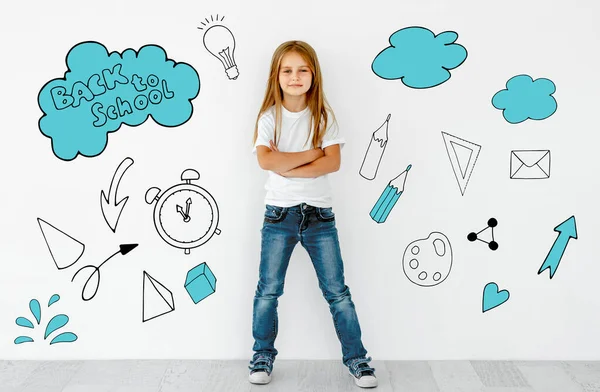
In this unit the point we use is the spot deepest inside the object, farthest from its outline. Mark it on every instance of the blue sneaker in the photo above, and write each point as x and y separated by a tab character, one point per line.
364	376
261	367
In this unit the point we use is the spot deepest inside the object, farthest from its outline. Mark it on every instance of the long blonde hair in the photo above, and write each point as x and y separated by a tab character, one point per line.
315	97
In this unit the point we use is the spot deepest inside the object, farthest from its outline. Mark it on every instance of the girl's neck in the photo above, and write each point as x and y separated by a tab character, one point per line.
294	104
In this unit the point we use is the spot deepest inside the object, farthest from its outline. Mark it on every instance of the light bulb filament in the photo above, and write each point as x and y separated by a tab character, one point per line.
226	57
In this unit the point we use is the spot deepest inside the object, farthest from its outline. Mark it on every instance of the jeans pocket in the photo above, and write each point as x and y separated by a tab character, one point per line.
325	214
274	214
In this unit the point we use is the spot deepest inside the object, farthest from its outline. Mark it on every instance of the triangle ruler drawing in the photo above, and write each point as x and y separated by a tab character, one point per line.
463	156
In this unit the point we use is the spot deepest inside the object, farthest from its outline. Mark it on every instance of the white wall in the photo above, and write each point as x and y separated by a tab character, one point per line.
543	319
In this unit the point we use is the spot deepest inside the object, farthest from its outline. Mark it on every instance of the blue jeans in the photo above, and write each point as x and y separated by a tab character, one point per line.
315	229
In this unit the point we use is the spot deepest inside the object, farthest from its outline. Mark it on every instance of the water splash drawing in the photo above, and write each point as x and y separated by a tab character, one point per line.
23	339
34	306
23	322
65	337
57	322
53	299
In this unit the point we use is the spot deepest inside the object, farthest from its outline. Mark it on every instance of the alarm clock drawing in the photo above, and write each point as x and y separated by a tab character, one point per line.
185	215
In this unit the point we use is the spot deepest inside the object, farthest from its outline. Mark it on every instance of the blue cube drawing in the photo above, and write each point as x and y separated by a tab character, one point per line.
200	282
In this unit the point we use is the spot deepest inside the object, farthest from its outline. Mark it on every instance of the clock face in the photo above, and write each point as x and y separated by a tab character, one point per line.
186	216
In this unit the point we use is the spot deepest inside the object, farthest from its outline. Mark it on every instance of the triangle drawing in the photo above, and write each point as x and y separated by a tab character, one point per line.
463	156
157	300
486	235
64	249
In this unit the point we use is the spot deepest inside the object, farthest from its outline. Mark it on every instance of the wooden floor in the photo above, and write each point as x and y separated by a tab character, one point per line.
290	376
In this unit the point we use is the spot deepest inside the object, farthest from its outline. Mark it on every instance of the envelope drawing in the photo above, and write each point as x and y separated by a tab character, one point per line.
530	164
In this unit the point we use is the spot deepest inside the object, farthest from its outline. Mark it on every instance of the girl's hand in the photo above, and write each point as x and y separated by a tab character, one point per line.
274	148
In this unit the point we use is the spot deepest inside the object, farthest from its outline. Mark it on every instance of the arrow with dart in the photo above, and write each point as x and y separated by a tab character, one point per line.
111	210
123	249
566	230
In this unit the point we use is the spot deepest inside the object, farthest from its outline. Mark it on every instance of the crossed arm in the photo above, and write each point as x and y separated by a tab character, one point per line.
310	163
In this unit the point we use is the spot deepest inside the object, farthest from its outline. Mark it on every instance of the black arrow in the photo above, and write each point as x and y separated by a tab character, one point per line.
123	249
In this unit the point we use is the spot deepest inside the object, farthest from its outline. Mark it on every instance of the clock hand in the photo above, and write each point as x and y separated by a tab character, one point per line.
188	202
180	210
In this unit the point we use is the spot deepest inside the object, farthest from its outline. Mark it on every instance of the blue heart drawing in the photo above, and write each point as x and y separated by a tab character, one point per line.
492	297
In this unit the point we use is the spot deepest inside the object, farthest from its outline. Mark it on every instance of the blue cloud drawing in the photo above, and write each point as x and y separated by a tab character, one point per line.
419	58
101	90
526	98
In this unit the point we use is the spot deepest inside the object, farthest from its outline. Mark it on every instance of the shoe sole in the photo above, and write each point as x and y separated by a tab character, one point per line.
365	381
263	379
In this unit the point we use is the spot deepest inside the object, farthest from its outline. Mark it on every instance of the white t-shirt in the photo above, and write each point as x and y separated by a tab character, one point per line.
295	136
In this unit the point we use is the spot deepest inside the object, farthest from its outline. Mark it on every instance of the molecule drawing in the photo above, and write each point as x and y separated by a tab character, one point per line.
493	245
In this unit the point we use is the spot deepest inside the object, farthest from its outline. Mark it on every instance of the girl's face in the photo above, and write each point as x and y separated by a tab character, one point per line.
295	77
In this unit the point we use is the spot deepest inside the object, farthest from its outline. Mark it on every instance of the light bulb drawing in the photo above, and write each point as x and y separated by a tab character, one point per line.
220	42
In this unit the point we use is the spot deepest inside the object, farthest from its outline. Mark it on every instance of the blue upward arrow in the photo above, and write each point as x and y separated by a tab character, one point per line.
566	230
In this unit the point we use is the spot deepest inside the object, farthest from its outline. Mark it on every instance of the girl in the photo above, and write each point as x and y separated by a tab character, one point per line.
297	140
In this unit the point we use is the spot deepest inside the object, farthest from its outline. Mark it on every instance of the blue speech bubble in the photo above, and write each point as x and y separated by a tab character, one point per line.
419	58
101	90
526	98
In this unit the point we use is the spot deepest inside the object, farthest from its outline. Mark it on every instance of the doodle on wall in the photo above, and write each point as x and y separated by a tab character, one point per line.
419	58
463	156
64	249
101	91
492	244
492	297
157	300
220	42
525	98
55	323
566	230
200	282
375	150
529	164
388	198
185	215
428	261
111	210
123	249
